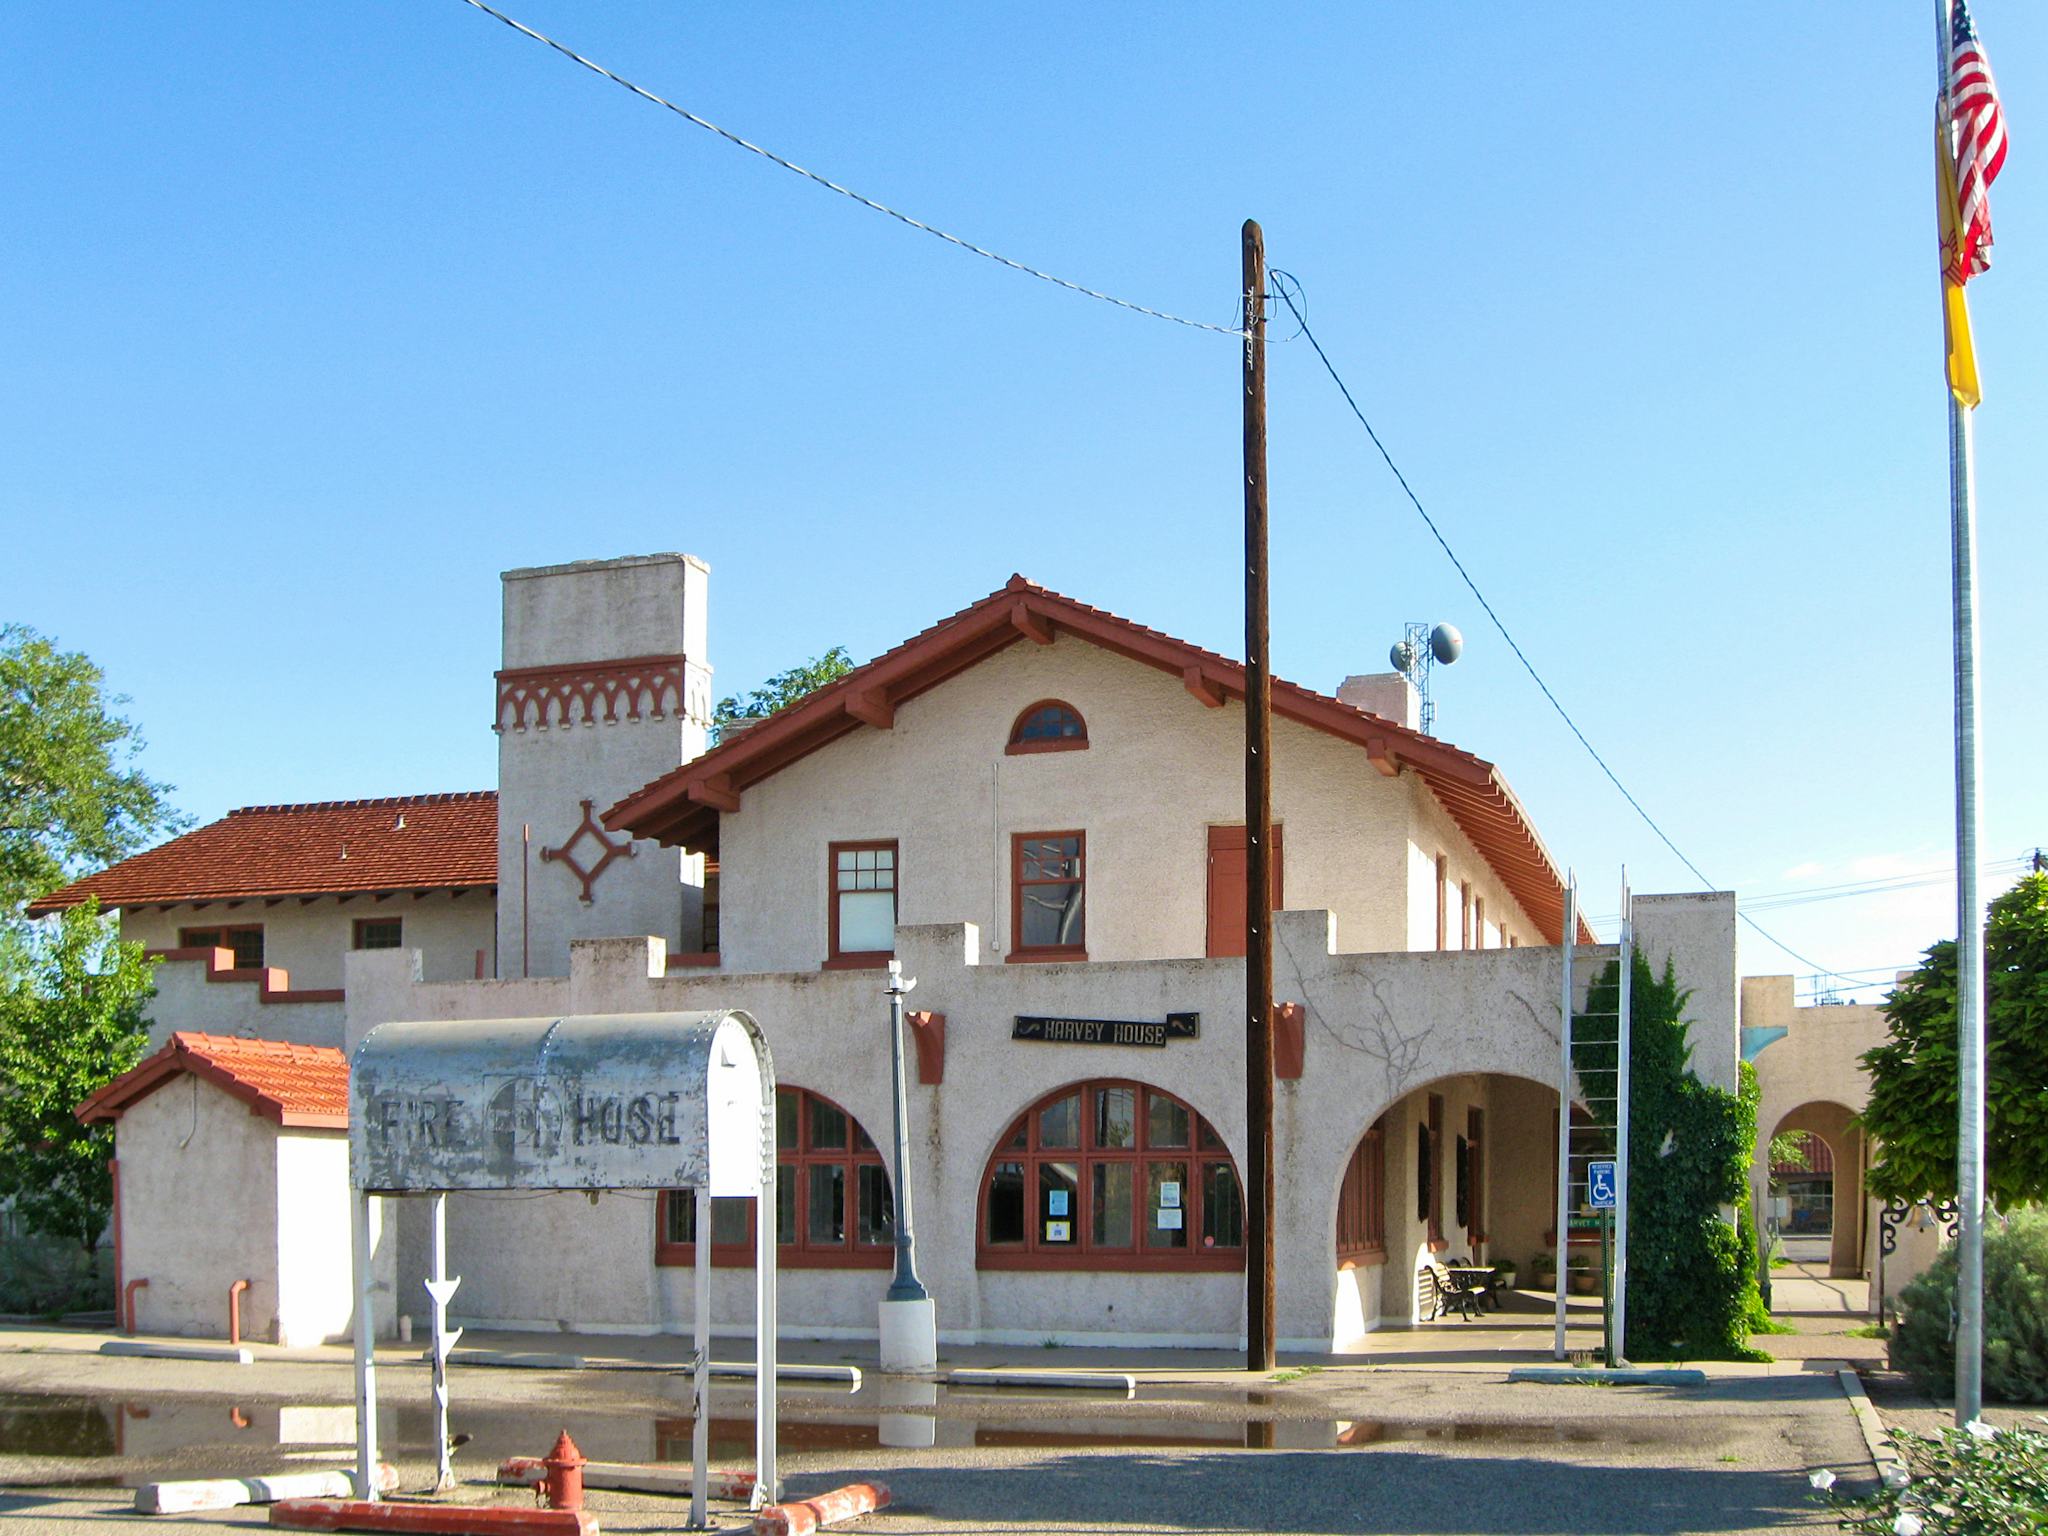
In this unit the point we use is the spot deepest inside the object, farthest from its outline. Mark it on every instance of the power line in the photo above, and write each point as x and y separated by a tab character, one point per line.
1527	665
847	192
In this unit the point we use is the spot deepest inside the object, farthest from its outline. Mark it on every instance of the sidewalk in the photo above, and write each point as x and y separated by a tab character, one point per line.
1521	1334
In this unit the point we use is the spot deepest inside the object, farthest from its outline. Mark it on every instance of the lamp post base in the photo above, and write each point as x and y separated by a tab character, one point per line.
909	1337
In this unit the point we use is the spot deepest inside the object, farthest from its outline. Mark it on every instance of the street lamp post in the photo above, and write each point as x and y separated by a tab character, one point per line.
909	1323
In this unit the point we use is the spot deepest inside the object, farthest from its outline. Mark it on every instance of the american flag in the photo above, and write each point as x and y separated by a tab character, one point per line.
1977	132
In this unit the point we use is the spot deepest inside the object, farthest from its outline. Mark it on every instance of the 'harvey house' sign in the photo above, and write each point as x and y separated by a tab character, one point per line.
1177	1026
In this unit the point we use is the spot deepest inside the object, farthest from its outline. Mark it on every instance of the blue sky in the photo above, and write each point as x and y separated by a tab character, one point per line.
320	316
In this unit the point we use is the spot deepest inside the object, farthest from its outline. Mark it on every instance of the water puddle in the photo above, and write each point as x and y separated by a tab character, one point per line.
49	1439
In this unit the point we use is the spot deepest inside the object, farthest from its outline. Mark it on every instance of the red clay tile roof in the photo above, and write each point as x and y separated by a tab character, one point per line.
411	842
293	1085
682	807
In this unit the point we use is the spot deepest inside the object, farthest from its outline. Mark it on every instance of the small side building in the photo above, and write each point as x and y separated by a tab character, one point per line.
271	1116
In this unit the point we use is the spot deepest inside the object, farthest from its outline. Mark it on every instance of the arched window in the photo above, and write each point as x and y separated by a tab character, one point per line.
833	1204
1049	726
1362	1202
1111	1175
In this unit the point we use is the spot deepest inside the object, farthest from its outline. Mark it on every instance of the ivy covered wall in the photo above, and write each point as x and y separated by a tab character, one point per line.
1692	1282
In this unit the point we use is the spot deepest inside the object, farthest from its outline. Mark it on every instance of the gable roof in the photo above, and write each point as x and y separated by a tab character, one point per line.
303	1086
682	807
333	847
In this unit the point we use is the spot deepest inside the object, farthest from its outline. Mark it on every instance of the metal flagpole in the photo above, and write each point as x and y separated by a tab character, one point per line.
1564	1102
1969	910
1969	931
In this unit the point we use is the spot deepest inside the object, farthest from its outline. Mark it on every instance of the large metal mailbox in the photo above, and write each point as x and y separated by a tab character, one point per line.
614	1101
633	1101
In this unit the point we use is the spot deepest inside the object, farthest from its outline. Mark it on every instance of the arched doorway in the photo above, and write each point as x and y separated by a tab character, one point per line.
1461	1170
1816	1187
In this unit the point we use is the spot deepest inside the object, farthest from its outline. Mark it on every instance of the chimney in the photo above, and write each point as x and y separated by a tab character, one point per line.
1386	694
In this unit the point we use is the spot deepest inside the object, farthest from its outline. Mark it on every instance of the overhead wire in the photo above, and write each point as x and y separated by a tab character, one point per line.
847	192
1528	666
1280	288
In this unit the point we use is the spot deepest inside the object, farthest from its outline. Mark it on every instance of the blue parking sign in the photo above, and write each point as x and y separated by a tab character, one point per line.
1600	1184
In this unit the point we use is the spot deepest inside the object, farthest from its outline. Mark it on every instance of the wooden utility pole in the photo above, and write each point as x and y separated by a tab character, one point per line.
1258	828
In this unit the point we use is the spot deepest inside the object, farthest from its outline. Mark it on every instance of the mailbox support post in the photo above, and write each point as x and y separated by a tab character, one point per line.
366	1347
700	1385
767	1482
440	1291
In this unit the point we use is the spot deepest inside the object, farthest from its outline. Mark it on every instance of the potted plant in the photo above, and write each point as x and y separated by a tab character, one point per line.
1507	1270
1543	1271
1585	1279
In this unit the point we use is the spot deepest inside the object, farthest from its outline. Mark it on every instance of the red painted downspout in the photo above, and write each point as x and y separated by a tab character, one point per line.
114	1174
128	1294
235	1311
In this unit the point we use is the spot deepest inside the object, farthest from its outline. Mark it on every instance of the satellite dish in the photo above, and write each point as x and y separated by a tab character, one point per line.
1402	656
1446	644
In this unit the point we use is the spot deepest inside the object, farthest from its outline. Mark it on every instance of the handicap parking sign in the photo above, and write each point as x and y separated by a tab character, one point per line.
1600	1186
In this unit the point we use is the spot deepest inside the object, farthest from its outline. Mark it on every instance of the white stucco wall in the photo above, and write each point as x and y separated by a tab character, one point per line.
315	1283
1159	770
199	1210
594	611
309	939
186	999
1813	1057
1695	932
1379	1026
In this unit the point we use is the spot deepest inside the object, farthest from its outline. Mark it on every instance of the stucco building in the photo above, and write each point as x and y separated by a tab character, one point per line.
1037	807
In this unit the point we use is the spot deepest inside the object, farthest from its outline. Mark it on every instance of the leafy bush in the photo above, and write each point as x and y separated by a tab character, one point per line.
2015	1314
1978	1481
47	1277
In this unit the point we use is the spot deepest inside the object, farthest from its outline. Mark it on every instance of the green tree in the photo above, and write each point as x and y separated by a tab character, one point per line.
70	1021
1692	1291
70	795
783	689
1913	1085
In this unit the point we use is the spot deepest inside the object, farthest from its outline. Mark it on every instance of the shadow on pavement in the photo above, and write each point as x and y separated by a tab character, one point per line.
1377	1494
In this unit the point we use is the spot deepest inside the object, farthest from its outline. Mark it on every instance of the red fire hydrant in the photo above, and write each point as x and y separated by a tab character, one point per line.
562	1485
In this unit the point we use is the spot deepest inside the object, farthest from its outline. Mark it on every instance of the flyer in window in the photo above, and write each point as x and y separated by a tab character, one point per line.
1058	1232
1056	1202
1169	1221
1169	1195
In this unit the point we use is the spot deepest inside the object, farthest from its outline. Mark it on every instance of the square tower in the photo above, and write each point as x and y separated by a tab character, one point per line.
603	689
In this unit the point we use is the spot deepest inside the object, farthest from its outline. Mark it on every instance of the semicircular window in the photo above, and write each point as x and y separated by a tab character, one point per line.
1050	725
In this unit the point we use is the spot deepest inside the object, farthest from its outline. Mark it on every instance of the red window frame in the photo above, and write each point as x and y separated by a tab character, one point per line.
1435	1173
1443	897
1022	1144
1362	1201
837	959
1077	742
795	1166
364	924
224	936
1475	1177
1019	950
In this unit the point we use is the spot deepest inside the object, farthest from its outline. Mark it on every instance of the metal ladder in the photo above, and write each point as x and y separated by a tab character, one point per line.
1593	1070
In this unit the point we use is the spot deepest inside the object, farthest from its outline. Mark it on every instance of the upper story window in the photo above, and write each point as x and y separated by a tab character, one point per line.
833	1204
862	919
380	933
1049	726
1111	1175
1048	888
245	939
